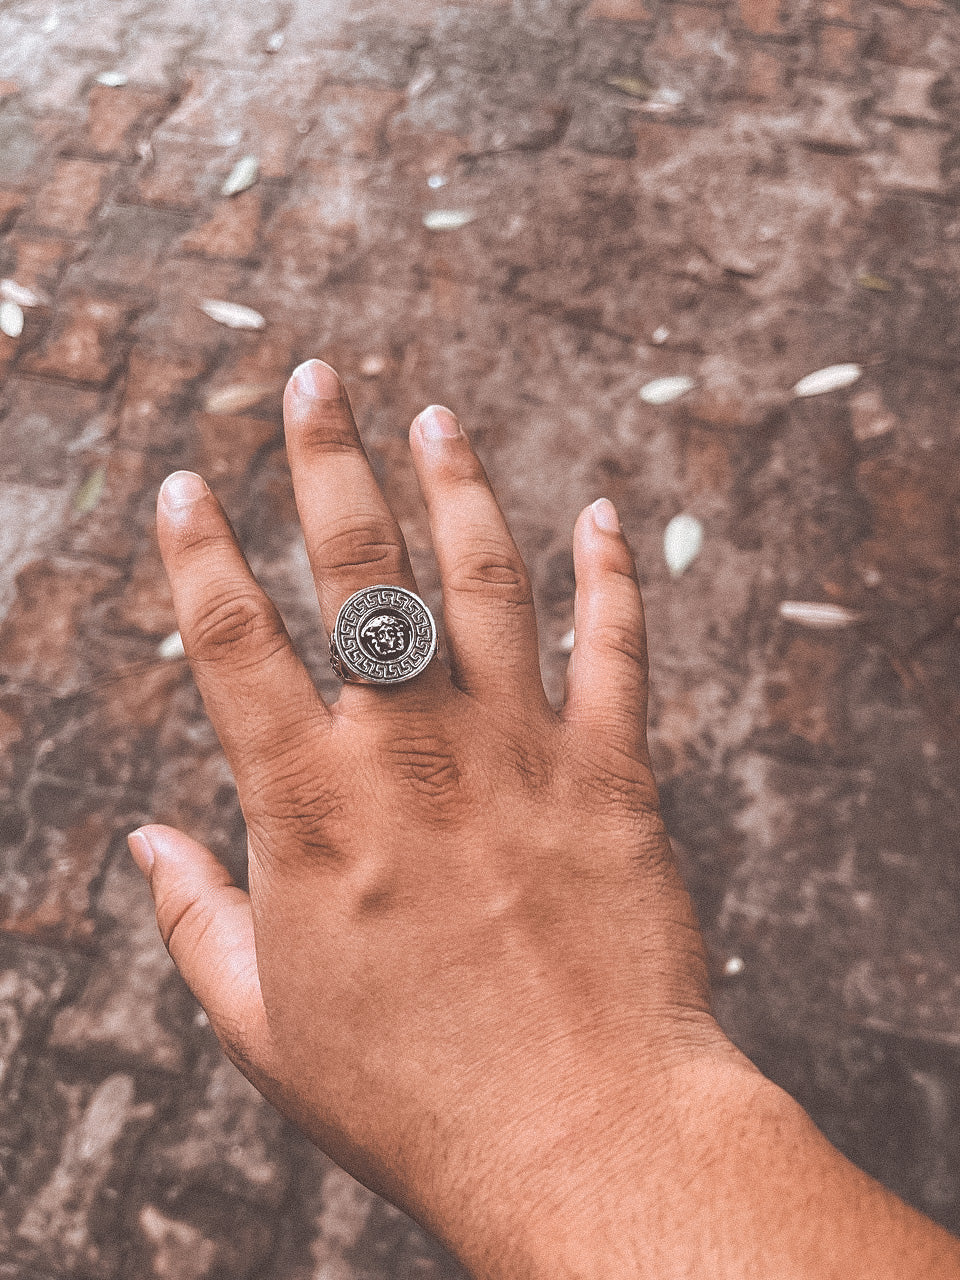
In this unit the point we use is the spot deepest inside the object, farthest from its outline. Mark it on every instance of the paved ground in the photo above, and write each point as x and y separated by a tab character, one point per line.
741	193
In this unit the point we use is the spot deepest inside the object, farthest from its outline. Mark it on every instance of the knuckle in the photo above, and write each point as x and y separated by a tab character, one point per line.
294	808
495	572
327	430
425	763
182	922
619	779
367	544
200	538
623	638
522	751
232	623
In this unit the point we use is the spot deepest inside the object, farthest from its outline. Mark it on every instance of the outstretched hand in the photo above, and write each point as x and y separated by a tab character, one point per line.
466	965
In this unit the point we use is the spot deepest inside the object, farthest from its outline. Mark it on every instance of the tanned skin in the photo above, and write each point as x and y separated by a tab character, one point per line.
467	966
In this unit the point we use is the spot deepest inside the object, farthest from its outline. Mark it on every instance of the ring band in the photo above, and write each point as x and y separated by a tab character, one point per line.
383	635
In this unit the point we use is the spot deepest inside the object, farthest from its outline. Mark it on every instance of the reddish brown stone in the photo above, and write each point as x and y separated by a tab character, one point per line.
762	74
805	696
232	231
116	115
839	50
228	444
305	239
707	466
691	31
50	899
913	510
38	261
9	348
85	341
156	387
121	1009
351	121
619	10
657	141
39	642
11	202
72	196
761	16
146	604
178	173
840	11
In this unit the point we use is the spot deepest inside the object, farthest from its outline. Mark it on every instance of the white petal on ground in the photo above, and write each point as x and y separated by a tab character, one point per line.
634	86
682	543
567	641
112	79
232	314
733	966
834	378
663	390
275	43
660	335
372	366
242	176
819	615
11	319
236	398
447	219
90	492
10	291
423	81
171	648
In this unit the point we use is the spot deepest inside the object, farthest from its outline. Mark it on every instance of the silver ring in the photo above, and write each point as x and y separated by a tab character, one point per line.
383	635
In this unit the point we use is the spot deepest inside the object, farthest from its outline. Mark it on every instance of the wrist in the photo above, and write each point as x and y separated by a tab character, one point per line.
604	1181
728	1177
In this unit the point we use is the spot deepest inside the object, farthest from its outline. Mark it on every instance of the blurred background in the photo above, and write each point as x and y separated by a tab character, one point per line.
617	237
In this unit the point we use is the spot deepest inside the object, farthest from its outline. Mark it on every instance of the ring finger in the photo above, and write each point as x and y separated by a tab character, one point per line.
353	540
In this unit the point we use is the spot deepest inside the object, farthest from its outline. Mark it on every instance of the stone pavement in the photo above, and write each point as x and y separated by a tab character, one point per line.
741	193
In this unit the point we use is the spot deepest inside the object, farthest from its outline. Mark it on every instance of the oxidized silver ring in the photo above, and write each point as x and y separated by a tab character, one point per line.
383	635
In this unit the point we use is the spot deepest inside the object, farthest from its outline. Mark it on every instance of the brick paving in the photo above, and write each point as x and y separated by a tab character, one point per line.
737	192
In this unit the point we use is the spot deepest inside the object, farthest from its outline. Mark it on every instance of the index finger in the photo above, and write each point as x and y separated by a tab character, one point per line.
256	690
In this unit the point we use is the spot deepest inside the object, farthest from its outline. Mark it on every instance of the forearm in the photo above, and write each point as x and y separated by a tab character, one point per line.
738	1183
782	1202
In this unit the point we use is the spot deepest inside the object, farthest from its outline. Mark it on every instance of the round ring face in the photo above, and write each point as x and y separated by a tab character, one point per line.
385	635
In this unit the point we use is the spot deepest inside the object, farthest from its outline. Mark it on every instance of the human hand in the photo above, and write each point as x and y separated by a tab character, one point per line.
467	965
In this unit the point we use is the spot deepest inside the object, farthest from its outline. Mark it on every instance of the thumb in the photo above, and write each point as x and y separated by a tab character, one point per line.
207	926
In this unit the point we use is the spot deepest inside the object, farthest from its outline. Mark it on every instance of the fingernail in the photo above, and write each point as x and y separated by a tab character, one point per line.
438	423
182	488
315	379
605	516
141	851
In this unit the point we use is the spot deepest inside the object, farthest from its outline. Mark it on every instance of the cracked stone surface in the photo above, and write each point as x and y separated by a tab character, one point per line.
738	193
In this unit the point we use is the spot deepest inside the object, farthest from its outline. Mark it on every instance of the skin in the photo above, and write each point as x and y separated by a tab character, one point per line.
467	966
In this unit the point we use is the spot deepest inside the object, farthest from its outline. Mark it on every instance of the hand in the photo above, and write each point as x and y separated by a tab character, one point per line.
467	965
